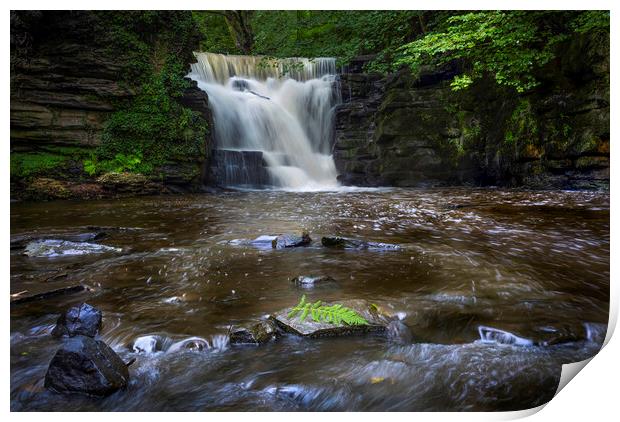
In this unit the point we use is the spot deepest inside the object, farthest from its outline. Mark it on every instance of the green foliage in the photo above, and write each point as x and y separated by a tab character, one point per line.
30	164
335	314
522	125
341	34
120	163
151	128
510	46
215	34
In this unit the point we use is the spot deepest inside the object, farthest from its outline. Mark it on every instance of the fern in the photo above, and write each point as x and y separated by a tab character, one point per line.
334	314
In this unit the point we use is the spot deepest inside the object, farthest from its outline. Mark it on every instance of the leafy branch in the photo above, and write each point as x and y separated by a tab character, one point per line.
334	314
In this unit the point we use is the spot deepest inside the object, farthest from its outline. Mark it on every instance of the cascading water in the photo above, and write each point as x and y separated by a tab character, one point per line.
276	113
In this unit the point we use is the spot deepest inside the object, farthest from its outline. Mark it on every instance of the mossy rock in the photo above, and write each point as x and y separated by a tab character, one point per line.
127	182
46	188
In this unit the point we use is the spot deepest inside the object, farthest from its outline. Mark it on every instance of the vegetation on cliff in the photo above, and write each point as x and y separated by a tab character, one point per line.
143	56
152	127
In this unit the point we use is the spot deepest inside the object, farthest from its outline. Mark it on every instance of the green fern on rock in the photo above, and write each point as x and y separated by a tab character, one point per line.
334	314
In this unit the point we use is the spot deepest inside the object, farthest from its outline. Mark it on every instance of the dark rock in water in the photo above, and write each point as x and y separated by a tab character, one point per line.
87	366
83	320
377	322
288	240
261	242
398	332
259	333
347	243
312	280
49	294
49	248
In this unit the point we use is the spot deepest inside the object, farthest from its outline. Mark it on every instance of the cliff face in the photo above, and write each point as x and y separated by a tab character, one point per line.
66	82
406	131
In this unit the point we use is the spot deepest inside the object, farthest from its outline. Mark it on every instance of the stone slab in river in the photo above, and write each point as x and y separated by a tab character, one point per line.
87	366
50	248
309	328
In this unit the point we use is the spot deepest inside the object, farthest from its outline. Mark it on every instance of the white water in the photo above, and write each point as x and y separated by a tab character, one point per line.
283	108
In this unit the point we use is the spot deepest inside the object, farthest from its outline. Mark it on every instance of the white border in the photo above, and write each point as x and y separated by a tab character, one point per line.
591	396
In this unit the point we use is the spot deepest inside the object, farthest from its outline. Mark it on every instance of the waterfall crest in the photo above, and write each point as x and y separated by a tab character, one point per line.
277	109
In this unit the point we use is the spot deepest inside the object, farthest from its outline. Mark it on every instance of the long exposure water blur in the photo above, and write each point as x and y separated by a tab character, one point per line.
531	264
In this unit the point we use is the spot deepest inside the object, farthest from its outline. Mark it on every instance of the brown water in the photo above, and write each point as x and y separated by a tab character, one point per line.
535	264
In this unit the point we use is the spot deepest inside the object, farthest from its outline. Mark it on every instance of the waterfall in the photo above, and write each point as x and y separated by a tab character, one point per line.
279	110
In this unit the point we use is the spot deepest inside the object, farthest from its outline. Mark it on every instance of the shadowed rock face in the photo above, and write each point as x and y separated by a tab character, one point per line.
86	366
79	320
65	84
406	131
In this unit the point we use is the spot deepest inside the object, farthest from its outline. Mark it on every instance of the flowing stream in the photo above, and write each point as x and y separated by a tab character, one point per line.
273	119
498	287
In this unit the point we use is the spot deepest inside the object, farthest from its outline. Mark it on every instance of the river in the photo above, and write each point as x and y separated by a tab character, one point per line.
534	264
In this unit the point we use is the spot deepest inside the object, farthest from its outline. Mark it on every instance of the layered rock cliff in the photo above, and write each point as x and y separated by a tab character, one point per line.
402	130
67	80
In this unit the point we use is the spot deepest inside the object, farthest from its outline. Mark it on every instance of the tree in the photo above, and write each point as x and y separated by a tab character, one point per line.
239	24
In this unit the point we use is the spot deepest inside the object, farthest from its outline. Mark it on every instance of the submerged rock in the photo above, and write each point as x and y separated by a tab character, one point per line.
48	248
280	241
261	242
533	336
347	243
398	332
196	344
19	299
258	333
21	241
288	240
87	366
308	281
377	322
82	320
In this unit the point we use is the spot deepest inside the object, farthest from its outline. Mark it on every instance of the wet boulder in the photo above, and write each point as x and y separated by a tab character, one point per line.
288	240
19	298
309	281
49	248
83	320
87	366
147	344
377	322
258	333
348	243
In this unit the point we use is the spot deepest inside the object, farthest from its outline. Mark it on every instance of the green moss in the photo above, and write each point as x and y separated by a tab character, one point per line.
522	126
152	128
30	164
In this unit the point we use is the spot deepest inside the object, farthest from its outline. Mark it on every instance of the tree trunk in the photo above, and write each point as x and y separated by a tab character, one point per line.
240	27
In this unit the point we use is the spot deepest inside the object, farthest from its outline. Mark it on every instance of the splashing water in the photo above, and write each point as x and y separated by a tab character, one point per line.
273	119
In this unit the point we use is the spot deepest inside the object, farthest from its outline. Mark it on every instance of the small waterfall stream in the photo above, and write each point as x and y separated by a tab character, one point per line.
273	119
